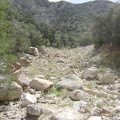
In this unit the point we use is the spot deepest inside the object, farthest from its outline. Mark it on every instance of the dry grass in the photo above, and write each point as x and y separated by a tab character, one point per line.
50	67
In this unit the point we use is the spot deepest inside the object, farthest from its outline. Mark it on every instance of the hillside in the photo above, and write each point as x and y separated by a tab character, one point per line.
61	24
63	15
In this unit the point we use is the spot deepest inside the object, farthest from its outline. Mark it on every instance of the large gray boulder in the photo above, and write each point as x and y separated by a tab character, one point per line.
34	110
10	91
41	84
108	78
23	80
67	114
70	82
90	73
28	99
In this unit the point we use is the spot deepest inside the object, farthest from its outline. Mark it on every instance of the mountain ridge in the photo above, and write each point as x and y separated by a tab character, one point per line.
63	15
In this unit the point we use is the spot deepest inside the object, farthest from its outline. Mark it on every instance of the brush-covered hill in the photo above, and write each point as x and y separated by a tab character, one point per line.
57	24
63	15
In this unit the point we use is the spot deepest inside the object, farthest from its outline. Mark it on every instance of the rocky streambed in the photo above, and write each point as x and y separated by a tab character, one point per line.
63	84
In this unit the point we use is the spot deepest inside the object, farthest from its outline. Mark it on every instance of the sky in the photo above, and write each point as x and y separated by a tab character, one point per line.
78	1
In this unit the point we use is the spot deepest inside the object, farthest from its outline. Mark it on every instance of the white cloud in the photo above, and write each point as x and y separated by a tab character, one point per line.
58	0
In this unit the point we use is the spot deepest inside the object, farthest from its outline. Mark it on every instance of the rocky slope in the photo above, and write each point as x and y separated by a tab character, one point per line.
63	84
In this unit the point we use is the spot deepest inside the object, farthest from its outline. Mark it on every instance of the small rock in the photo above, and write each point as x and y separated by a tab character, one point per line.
24	61
40	76
60	60
51	96
27	89
77	95
41	84
16	66
99	102
34	110
89	91
95	118
98	76
116	110
117	86
108	78
67	114
32	91
38	95
6	102
53	78
23	80
95	111
28	99
105	111
101	94
47	111
80	105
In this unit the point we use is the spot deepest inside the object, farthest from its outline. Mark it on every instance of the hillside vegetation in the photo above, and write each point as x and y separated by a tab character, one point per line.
60	24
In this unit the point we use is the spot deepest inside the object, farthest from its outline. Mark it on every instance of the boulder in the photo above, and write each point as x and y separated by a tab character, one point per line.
23	80
117	86
67	114
28	99
79	105
34	51
16	66
24	61
116	109
90	73
77	95
47	111
95	118
34	110
41	84
108	78
101	94
10	91
70	82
